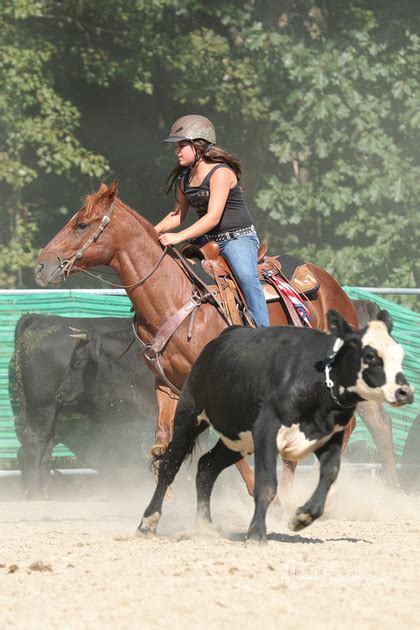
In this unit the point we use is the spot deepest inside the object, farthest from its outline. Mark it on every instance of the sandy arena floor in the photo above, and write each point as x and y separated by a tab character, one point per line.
77	564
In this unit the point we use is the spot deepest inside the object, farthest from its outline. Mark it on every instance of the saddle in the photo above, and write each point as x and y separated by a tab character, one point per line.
270	269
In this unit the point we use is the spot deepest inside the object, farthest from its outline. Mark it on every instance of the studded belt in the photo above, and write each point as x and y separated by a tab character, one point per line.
227	236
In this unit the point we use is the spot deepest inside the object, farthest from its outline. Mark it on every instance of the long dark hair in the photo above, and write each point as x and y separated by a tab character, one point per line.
211	153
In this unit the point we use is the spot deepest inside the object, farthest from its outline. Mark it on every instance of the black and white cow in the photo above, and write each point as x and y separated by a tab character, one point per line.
279	390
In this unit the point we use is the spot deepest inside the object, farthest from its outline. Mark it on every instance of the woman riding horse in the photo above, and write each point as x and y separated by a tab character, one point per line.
207	178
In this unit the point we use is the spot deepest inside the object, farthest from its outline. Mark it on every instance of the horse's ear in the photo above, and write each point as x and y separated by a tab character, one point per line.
106	193
112	190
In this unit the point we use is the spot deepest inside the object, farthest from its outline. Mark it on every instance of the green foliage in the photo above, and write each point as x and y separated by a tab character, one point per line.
320	98
38	129
343	144
18	253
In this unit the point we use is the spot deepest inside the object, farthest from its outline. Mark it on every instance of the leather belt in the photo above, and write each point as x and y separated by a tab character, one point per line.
232	234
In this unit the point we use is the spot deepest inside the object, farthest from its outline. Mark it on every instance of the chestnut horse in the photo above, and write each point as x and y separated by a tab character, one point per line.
105	231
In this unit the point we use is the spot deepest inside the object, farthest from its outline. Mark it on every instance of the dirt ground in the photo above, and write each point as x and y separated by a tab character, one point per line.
75	563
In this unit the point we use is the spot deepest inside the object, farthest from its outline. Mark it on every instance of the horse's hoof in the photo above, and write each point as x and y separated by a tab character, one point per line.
158	450
300	521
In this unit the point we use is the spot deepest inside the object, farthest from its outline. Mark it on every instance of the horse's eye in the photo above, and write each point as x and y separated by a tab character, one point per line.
82	226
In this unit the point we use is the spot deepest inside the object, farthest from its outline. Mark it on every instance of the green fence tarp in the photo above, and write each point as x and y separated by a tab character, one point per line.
115	303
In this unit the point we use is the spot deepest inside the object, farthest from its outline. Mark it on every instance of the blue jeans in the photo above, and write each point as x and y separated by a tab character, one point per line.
242	255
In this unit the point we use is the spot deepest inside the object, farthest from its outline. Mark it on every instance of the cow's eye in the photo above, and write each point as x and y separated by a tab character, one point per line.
371	358
82	226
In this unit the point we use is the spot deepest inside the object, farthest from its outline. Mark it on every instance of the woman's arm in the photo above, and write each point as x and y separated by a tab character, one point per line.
220	184
176	216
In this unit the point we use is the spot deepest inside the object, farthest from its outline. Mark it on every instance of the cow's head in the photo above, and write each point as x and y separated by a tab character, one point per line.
80	380
370	361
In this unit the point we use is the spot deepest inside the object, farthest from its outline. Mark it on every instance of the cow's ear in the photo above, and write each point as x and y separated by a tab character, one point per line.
94	348
386	318
337	325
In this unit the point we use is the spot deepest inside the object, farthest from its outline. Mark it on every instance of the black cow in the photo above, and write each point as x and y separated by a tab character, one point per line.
43	350
279	390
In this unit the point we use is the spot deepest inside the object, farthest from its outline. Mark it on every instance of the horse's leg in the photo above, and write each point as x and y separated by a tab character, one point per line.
209	468
166	402
247	475
287	477
379	425
348	430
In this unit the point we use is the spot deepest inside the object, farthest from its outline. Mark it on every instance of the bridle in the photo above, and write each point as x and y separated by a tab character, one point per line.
67	265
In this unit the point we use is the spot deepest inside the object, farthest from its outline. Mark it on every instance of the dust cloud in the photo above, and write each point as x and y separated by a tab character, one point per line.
100	575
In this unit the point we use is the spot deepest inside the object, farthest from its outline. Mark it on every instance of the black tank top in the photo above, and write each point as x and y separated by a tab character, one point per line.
235	214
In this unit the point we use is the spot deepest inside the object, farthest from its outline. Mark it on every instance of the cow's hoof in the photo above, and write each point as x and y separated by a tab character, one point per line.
254	537
300	521
256	542
204	527
158	450
148	526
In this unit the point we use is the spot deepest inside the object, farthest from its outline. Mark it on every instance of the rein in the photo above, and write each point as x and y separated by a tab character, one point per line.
124	286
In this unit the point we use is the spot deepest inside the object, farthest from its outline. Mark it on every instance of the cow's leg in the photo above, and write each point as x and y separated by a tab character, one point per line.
209	468
289	467
166	402
331	500
264	435
379	425
186	430
329	457
35	453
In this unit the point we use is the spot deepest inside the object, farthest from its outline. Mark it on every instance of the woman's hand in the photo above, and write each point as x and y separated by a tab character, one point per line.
170	238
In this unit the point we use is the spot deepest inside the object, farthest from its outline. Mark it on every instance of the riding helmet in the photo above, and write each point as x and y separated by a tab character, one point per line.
192	127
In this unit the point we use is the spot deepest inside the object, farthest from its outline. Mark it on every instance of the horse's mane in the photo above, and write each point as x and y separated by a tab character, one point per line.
149	228
92	200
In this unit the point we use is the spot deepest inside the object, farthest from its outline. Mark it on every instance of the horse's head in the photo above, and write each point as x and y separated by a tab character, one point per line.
83	242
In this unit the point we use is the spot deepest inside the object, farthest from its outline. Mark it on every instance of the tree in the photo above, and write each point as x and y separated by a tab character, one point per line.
38	133
319	98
